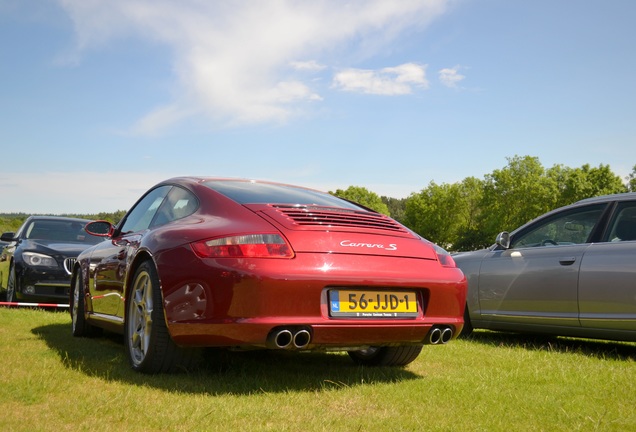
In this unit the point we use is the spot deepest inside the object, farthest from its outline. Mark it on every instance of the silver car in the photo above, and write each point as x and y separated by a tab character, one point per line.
570	272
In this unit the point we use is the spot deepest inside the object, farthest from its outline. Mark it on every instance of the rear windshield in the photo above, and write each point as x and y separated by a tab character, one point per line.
246	192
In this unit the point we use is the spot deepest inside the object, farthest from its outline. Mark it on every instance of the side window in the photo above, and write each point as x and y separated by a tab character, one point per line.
567	228
178	204
139	218
623	225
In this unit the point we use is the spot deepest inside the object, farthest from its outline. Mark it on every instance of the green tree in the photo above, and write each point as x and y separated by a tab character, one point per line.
433	213
631	178
469	234
396	206
575	184
515	195
113	218
363	197
11	222
468	215
447	214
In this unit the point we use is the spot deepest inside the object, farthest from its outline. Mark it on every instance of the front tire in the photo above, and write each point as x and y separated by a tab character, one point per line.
11	286
386	356
149	347
79	325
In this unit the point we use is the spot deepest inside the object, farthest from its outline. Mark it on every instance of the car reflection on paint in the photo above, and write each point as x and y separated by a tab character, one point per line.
570	272
203	262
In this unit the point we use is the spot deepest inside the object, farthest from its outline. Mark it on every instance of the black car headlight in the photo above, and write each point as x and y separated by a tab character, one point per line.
38	260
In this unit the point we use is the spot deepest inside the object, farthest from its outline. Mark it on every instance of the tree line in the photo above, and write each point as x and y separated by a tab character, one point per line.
11	222
467	215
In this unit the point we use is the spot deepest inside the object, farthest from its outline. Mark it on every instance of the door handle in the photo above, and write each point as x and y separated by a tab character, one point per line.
567	260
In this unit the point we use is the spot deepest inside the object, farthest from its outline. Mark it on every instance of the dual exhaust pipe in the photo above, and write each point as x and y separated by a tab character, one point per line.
297	338
289	338
439	335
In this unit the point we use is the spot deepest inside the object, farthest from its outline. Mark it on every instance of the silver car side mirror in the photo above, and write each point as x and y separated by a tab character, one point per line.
503	240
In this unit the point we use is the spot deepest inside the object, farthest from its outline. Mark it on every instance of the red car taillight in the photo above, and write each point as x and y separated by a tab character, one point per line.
244	246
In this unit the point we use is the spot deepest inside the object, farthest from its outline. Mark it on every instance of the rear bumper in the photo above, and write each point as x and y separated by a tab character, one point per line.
244	302
324	335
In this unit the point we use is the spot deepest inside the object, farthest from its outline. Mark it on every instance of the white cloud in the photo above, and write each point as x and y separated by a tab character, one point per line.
450	77
397	80
229	56
311	65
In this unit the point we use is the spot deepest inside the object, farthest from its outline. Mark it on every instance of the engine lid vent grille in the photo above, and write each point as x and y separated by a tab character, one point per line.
338	217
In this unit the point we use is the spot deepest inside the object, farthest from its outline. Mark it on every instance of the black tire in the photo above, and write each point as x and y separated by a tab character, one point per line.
11	286
79	325
386	356
149	347
468	327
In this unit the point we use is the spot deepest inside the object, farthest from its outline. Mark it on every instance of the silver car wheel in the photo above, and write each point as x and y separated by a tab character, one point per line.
140	309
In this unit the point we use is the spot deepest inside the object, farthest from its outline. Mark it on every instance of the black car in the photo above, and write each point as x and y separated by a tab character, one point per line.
36	264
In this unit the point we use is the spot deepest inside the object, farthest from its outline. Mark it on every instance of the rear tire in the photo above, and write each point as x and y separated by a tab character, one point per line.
468	326
149	347
386	356
79	324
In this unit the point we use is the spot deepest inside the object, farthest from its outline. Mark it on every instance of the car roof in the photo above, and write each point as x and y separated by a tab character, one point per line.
599	199
203	179
58	218
614	197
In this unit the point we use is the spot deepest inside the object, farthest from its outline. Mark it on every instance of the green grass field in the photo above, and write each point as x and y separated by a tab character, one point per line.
50	381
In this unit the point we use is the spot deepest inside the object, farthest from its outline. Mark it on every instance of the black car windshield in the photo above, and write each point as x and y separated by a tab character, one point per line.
60	231
247	192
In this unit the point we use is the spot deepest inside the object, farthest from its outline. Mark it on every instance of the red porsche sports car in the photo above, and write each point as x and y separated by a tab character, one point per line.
241	264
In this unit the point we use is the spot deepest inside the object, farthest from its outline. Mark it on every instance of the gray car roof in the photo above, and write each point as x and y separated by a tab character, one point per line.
614	197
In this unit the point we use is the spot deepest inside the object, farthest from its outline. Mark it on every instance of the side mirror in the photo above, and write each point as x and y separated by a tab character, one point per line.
99	228
8	237
503	240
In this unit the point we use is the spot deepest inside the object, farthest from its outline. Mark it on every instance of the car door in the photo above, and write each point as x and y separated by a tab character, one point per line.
607	283
110	261
535	281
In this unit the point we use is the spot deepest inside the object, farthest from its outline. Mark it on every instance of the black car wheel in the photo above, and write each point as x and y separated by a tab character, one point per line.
149	346
11	287
80	325
386	356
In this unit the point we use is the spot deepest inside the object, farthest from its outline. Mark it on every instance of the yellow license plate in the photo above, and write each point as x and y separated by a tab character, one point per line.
372	304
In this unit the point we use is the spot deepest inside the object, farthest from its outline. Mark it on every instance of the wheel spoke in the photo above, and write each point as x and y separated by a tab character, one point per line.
140	327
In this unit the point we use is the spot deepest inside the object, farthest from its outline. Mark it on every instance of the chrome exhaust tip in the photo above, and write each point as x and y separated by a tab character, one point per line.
447	335
435	336
302	339
281	339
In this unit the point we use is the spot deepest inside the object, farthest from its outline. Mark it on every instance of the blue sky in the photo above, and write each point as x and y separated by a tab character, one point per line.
101	99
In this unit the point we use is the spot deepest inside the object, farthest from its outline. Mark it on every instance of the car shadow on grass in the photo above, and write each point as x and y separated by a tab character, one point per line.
601	349
220	372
